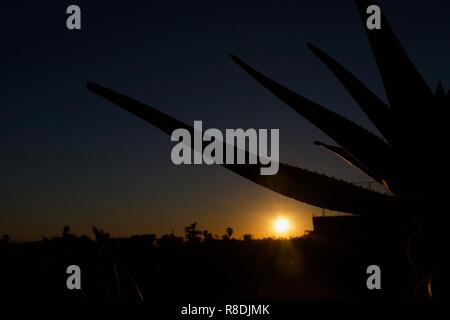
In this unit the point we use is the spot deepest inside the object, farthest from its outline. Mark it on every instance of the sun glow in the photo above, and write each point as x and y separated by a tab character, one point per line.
281	225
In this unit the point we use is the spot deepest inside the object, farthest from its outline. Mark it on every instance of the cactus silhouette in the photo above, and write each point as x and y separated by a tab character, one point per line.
409	160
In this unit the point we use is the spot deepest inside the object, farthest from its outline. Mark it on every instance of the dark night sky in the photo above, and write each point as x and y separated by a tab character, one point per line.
70	157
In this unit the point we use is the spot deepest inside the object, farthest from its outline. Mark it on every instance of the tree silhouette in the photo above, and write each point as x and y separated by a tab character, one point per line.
191	233
207	236
228	233
66	232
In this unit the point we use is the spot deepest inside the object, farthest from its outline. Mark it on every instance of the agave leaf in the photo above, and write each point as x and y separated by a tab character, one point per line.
407	91
377	111
341	153
440	93
363	145
299	184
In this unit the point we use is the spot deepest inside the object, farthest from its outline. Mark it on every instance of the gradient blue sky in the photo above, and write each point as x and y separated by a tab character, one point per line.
71	158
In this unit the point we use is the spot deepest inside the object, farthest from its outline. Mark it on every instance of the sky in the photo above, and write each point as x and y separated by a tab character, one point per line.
69	157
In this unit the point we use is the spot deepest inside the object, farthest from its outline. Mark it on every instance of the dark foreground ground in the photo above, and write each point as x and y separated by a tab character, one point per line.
310	267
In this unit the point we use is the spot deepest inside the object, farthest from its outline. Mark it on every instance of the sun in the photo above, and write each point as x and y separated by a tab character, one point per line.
281	225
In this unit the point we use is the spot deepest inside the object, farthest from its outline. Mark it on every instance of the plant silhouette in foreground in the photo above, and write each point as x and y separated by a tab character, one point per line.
409	160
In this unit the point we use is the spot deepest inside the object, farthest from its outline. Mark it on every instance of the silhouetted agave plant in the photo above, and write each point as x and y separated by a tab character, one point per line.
410	162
